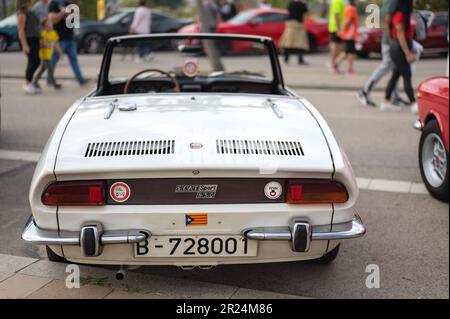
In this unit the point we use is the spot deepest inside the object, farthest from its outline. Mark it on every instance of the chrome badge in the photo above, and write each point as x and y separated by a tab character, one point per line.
202	191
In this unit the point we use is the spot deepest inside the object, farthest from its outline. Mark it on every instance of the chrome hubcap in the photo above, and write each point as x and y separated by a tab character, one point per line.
434	160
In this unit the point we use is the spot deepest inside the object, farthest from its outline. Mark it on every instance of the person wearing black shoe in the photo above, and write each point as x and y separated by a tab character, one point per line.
295	38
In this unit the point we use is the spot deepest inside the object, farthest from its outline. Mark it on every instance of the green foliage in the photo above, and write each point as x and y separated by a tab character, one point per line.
170	4
88	8
438	5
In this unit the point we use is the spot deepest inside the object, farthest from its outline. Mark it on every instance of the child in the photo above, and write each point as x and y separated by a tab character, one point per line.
49	41
349	34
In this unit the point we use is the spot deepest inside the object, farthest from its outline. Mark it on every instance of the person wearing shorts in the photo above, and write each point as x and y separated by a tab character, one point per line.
336	18
349	34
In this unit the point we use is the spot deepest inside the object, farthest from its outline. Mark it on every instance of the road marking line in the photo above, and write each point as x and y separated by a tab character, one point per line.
20	156
373	184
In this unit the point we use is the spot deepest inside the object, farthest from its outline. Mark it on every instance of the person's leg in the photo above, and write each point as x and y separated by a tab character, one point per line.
418	50
301	54
51	73
384	68
73	59
39	73
34	61
287	53
56	57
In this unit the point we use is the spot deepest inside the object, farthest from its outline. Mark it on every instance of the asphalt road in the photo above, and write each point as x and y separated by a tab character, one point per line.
407	233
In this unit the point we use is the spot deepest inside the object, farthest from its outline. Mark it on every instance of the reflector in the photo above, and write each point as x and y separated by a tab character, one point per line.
316	192
89	193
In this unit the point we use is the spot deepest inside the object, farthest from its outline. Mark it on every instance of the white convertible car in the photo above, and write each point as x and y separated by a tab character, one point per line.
171	162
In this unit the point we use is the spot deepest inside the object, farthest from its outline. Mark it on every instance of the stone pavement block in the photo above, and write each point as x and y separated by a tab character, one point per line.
390	186
5	275
123	294
178	288
48	269
14	263
20	286
57	289
243	293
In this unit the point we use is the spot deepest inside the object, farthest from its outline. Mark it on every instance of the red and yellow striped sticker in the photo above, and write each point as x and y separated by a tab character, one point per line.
196	220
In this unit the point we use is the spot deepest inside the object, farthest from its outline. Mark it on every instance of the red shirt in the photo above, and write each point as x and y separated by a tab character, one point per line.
398	19
351	31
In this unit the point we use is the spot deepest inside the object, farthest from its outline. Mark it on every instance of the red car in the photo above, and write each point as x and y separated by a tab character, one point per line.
369	40
269	23
434	143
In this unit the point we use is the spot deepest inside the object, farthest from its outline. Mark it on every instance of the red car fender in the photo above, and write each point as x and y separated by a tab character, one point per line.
433	99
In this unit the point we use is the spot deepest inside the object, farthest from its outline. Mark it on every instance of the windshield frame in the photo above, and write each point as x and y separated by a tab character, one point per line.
104	81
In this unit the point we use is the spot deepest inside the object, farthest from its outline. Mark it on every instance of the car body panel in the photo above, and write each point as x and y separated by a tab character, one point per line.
433	99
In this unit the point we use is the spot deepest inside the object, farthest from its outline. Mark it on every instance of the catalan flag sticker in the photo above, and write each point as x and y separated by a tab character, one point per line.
196	220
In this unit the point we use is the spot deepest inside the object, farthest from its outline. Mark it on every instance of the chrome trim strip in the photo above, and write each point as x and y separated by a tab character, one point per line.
33	234
352	229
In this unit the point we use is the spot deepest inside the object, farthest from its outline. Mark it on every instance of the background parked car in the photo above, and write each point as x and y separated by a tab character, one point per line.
269	23
434	143
93	35
8	33
436	42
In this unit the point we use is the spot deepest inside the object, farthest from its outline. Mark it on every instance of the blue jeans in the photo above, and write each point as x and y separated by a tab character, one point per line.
69	47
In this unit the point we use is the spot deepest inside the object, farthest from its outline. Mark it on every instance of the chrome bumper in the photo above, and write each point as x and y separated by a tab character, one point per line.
418	125
91	237
300	233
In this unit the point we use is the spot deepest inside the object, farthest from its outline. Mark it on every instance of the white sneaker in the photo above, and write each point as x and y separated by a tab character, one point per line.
415	108
30	89
388	106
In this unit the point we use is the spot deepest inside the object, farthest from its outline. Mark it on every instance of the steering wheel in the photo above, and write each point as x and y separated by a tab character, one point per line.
171	77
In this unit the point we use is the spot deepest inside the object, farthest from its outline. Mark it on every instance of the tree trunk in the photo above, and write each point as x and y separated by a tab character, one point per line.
211	49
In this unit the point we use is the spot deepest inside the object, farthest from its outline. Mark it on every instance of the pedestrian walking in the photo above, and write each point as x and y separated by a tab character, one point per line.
40	8
335	21
264	4
141	24
49	42
57	15
212	15
349	34
295	38
227	10
29	33
386	66
402	55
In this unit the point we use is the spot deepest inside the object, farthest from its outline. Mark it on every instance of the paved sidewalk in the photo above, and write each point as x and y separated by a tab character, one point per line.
314	76
30	278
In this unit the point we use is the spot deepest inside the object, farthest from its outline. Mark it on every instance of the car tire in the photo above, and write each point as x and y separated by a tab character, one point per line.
431	142
93	43
52	256
312	42
329	256
3	43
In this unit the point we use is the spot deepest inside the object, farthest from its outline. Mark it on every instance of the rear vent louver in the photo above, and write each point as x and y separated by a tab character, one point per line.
130	148
280	148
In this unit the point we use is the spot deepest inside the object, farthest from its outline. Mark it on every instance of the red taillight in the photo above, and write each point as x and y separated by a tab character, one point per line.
75	194
316	192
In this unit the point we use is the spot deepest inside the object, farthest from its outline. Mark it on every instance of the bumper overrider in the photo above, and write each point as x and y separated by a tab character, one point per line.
92	237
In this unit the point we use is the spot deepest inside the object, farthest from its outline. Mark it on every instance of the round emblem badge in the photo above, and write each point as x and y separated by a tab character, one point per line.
120	192
273	190
190	68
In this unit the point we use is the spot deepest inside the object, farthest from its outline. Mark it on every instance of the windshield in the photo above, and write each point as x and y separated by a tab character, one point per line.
115	18
242	17
187	58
